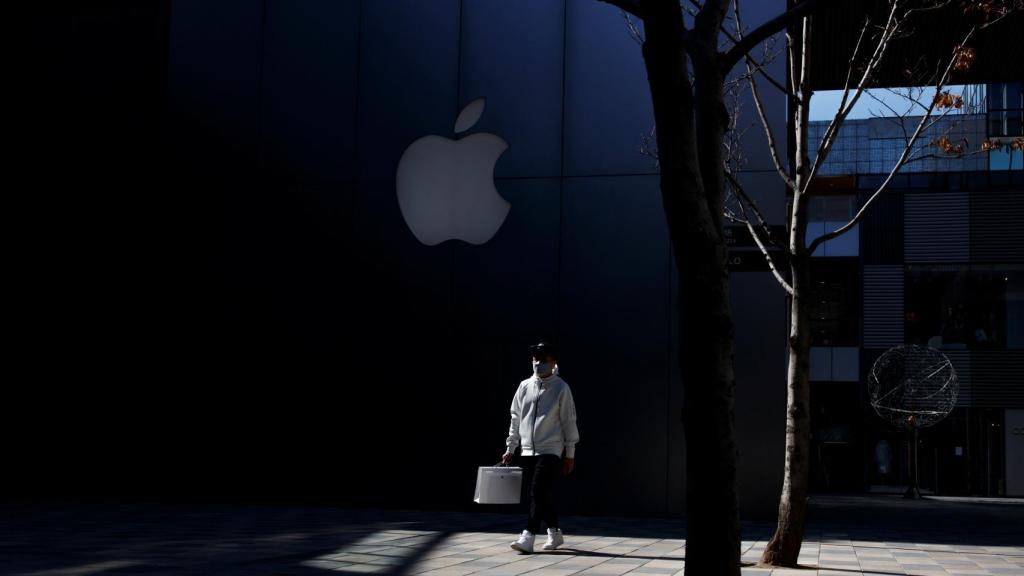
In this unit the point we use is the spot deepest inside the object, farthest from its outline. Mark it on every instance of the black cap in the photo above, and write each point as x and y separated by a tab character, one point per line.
542	349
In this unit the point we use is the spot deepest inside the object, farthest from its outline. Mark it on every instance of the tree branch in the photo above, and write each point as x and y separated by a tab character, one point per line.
744	198
897	118
695	10
899	163
846	105
759	68
634	7
741	194
732	57
759	65
634	30
759	105
945	156
1010	9
853	61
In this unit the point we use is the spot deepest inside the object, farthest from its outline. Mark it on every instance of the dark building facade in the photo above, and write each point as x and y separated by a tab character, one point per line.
280	333
239	310
405	356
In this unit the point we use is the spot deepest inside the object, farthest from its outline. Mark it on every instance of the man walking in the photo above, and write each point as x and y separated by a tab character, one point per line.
544	426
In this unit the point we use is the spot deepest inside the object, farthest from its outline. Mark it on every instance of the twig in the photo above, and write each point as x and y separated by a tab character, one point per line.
753	231
900	162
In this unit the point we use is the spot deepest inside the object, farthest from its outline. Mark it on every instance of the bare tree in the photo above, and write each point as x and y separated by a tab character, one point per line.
916	120
687	62
689	54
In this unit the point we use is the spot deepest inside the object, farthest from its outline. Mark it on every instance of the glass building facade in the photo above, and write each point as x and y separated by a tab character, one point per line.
938	261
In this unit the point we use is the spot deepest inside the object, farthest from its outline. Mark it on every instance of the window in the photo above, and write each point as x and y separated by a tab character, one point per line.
981	307
828	213
835	302
1005	114
1005	110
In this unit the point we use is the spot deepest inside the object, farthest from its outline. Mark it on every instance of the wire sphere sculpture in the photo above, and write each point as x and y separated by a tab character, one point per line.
913	386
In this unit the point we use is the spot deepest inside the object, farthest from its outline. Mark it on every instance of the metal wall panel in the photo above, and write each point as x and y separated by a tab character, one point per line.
881	241
522	81
883	306
997	379
614	327
961	360
936	227
997	226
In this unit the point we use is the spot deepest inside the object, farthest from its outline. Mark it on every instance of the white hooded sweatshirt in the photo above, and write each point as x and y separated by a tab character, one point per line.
543	418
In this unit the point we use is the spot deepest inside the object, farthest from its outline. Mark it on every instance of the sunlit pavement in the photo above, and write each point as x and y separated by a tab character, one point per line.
846	536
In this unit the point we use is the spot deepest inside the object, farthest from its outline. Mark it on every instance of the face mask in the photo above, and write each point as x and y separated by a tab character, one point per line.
540	368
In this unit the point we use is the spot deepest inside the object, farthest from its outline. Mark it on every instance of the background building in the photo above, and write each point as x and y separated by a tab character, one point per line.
940	262
276	330
216	295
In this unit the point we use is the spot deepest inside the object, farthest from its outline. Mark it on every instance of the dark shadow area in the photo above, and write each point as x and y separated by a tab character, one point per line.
592	554
208	539
873	518
891	518
166	539
852	571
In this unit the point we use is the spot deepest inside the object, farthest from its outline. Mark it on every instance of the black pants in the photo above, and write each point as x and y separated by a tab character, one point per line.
545	470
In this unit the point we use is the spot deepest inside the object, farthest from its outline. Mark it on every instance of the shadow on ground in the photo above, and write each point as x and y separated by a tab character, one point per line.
161	539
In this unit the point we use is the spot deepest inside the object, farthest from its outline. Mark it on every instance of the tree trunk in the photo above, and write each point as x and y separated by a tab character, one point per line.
784	547
713	535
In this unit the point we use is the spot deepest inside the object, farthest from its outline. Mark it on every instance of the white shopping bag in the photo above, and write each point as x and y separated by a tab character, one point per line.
498	484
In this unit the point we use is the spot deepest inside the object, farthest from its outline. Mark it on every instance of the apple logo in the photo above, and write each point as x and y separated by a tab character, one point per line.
446	187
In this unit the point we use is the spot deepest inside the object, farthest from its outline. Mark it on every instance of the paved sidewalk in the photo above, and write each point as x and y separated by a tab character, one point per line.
849	536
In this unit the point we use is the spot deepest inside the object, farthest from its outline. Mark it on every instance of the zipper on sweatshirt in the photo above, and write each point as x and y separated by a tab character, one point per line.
536	407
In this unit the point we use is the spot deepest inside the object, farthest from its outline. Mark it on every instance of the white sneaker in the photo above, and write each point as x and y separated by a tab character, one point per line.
554	539
525	543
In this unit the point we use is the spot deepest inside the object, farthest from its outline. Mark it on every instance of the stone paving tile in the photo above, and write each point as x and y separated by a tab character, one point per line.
837	565
645	570
616	550
614	566
444	561
679	553
554	571
955	561
875	556
789	572
837	551
249	541
451	571
513	569
916	568
582	562
658	547
883	568
664	564
445	553
360	569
